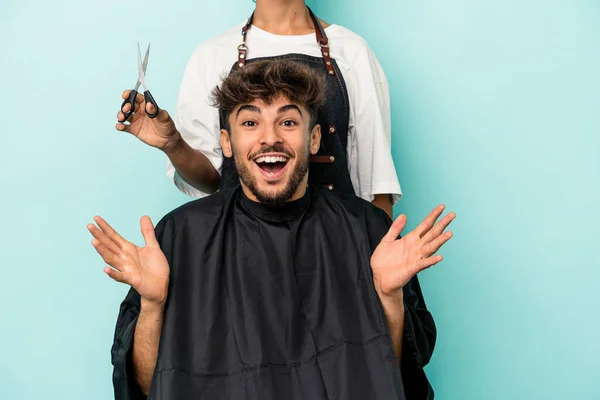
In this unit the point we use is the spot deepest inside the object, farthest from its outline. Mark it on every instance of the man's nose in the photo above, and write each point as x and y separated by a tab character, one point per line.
270	135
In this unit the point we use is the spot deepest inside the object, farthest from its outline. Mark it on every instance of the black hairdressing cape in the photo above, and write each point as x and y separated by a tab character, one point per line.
276	304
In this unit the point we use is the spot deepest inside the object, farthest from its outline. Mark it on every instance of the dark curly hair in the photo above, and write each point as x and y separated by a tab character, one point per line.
266	80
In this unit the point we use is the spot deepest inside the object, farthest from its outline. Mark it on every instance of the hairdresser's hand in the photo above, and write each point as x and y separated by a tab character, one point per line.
159	132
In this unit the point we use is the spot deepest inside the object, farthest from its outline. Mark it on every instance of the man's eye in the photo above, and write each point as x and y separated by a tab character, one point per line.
289	122
249	123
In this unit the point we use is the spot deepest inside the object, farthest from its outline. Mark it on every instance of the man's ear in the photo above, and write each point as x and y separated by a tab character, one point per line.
226	143
315	139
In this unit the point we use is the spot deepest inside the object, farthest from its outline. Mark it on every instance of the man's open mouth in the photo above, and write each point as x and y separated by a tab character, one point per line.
271	165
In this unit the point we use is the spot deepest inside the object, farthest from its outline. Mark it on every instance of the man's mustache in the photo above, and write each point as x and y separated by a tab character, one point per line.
277	148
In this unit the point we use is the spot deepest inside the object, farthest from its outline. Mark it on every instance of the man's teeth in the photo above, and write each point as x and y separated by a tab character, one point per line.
271	159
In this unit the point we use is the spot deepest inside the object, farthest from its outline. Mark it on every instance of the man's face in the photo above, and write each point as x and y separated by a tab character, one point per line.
271	145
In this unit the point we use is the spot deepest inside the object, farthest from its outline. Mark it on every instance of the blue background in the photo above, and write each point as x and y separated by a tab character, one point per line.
496	108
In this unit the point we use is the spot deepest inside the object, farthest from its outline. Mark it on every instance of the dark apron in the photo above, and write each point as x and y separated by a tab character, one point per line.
329	167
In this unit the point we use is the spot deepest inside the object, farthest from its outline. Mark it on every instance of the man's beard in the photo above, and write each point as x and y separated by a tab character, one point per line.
272	198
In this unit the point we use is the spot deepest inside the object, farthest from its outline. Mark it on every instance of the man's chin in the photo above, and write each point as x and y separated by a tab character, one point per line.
273	189
272	193
271	184
272	199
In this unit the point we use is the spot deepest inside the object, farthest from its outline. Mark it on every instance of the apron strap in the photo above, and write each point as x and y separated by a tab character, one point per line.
319	32
242	48
323	42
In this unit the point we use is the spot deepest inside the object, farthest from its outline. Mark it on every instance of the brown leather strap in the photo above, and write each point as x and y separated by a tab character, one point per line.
319	32
242	48
322	159
242	54
247	26
323	42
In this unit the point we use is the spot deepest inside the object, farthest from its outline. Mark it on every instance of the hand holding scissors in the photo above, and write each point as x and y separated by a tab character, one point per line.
154	126
142	66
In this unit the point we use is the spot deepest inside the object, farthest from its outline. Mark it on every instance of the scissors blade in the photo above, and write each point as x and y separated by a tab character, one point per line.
145	63
141	71
141	76
142	67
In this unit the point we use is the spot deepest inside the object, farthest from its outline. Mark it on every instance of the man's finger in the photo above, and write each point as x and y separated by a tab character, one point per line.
103	239
396	229
439	228
428	262
148	232
434	246
115	275
428	222
108	256
110	232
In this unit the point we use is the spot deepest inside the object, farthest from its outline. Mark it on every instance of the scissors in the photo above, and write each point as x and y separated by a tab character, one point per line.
141	80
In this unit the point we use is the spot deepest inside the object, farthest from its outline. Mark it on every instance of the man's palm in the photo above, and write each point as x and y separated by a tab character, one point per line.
146	269
395	261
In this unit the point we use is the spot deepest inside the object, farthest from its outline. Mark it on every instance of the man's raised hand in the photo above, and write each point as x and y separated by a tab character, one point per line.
395	261
146	269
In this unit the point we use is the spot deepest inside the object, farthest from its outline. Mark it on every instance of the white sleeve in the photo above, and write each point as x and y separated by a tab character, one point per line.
196	119
371	132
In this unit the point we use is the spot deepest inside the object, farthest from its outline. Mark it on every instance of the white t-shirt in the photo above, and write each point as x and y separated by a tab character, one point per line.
369	155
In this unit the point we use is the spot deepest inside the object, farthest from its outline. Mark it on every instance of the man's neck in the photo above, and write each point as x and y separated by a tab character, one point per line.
283	17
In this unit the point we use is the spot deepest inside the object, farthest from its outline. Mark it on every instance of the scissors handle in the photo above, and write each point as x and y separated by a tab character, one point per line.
130	100
149	99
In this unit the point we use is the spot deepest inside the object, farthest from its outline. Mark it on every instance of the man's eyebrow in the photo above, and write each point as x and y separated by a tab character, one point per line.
248	107
289	107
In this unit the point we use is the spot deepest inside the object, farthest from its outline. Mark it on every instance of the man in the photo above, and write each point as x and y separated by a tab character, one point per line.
274	290
355	154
